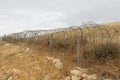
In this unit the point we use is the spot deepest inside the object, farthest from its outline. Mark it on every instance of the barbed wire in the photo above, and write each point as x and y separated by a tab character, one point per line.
67	39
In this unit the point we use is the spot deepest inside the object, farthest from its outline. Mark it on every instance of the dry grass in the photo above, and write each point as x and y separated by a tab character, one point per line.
27	65
64	47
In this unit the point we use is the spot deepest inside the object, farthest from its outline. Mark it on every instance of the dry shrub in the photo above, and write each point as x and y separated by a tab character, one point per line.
102	52
106	51
103	58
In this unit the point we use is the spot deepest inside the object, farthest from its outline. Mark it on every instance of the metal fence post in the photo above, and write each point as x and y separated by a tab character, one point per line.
24	40
35	40
78	50
51	42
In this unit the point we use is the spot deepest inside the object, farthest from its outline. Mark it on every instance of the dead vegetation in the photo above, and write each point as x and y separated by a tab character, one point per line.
99	48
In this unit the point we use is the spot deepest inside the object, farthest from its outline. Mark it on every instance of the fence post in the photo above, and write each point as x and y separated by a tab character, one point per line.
35	40
51	42
24	40
78	50
102	38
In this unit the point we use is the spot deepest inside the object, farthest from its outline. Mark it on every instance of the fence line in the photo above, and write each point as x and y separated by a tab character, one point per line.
68	39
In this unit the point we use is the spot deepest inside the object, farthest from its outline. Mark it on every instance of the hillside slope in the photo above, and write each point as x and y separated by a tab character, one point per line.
99	47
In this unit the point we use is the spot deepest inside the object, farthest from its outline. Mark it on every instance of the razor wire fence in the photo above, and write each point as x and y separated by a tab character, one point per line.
70	43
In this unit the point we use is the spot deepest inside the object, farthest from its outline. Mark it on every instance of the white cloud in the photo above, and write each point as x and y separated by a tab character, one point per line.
18	15
17	19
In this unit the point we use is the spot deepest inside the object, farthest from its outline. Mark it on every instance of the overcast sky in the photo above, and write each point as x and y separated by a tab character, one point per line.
19	15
